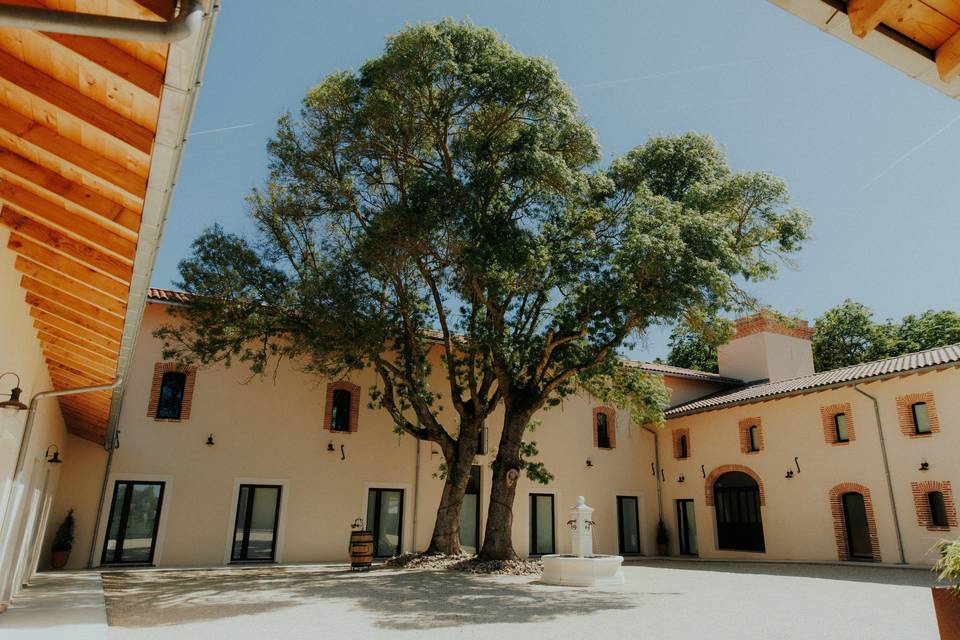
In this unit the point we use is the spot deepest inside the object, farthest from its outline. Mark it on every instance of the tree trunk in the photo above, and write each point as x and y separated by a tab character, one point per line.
459	459
498	534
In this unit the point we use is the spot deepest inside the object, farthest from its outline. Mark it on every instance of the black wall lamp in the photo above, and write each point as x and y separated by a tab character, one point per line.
589	462
924	465
330	446
789	473
55	457
13	404
681	478
210	441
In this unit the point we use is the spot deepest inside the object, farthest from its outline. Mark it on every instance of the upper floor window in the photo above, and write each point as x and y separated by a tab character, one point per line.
684	451
840	427
603	431
340	415
921	417
170	401
753	434
938	509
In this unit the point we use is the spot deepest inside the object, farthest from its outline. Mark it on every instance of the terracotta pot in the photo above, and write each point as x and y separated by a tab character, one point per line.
58	559
663	549
947	607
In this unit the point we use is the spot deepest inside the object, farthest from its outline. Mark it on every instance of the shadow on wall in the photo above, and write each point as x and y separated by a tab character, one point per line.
400	600
848	572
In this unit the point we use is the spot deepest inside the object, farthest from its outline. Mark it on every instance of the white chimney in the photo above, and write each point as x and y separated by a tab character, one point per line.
765	347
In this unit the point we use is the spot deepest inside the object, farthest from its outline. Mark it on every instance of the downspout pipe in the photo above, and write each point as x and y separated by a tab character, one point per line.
886	470
656	472
183	25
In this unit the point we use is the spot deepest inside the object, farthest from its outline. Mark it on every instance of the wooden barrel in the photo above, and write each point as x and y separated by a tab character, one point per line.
361	550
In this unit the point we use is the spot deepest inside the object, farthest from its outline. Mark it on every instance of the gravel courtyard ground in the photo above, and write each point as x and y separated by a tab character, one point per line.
662	599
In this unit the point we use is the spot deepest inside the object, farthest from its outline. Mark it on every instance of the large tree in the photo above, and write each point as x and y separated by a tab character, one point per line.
668	232
363	226
847	334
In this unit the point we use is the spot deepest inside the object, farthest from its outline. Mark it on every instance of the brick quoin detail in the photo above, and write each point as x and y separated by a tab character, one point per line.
611	414
726	468
760	322
161	368
839	525
905	414
744	430
676	443
830	428
922	504
354	404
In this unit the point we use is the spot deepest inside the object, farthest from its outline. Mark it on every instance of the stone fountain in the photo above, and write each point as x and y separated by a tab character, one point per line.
582	568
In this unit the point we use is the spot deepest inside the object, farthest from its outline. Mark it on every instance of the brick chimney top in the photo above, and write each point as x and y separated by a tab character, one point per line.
769	322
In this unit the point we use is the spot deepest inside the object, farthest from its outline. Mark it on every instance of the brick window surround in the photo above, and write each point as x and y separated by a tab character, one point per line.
611	414
354	404
905	414
744	429
726	468
839	525
161	368
827	415
677	434
922	503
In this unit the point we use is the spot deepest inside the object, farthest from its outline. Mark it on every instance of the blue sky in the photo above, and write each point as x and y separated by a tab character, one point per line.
865	149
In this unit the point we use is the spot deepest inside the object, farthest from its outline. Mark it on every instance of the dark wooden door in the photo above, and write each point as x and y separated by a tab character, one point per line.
739	524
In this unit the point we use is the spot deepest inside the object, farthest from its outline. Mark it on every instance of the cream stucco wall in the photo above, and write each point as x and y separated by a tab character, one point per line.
270	431
797	520
26	498
765	355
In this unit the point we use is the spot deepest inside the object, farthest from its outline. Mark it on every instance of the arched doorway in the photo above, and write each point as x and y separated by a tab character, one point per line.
859	544
737	500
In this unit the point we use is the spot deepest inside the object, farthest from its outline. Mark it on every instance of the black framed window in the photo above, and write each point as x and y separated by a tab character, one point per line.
340	416
133	523
921	418
628	524
840	427
684	449
542	540
385	519
255	529
170	402
938	509
603	431
470	511
753	435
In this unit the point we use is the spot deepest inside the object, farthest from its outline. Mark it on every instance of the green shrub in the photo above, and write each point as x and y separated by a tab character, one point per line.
949	564
63	541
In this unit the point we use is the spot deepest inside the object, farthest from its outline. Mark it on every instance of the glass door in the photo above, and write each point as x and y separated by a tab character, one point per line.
858	531
255	530
687	528
541	524
132	523
385	519
628	520
470	513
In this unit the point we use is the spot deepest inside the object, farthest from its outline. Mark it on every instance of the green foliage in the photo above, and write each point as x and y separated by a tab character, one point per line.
627	387
695	347
536	471
64	538
948	564
847	334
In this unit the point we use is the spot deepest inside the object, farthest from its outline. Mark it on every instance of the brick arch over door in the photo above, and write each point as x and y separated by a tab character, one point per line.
839	525
726	468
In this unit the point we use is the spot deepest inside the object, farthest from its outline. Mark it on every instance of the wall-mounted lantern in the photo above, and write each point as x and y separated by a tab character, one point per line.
330	446
589	462
924	465
13	404
210	441
681	478
789	474
55	457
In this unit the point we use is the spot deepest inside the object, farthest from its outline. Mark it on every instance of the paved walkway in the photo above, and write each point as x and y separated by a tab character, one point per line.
662	599
65	604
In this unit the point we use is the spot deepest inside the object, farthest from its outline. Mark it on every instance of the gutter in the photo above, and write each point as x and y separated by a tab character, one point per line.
92	25
886	470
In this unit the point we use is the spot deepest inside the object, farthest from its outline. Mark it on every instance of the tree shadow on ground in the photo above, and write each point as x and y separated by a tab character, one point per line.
851	572
395	599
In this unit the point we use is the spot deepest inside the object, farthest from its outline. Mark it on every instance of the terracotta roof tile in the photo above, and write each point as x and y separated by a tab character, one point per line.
938	357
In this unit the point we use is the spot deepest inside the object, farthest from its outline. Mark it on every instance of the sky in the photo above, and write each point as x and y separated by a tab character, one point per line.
870	153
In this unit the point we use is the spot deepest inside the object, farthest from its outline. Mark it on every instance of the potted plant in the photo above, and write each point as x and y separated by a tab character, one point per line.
946	599
63	542
663	539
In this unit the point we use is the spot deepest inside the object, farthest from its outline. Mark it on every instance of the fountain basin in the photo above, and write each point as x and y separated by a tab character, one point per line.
582	571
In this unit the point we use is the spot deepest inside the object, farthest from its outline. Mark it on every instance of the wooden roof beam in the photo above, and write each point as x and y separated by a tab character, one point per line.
80	368
74	358
865	15
22	78
84	229
48	319
68	266
948	58
54	337
80	373
73	301
125	222
81	251
69	285
92	164
74	317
